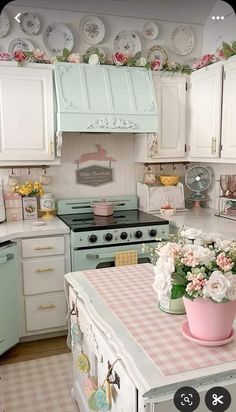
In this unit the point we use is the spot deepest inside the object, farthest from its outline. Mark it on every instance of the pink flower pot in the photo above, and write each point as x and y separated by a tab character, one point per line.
208	320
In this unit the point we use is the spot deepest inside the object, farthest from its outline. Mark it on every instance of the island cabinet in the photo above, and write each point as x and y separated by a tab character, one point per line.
114	317
169	140
43	304
26	114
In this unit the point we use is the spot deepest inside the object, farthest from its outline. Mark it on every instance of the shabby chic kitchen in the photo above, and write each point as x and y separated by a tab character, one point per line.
117	210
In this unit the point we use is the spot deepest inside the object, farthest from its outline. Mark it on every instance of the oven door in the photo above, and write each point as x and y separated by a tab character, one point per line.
103	257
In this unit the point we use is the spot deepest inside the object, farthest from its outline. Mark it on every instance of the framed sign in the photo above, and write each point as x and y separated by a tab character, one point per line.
94	175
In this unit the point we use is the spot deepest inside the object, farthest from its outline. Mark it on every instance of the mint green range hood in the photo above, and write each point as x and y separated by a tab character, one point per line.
104	99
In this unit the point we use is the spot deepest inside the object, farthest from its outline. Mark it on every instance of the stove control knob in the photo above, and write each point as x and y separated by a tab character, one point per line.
108	237
138	234
123	235
93	238
152	232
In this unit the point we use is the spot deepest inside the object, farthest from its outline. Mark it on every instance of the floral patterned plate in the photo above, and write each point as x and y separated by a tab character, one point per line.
4	24
21	44
57	37
157	52
182	40
150	30
92	29
29	23
127	42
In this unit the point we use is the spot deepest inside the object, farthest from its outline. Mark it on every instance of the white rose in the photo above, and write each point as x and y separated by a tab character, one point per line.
231	292
163	271
203	255
169	249
141	62
191	233
216	287
94	59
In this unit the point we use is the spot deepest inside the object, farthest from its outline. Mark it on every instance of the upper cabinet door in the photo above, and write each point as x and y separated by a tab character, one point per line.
229	110
26	114
168	141
171	105
206	97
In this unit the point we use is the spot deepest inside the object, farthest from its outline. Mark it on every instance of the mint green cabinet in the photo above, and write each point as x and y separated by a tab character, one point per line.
9	332
104	98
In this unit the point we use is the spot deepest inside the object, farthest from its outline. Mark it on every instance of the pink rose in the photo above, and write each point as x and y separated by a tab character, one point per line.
4	56
156	64
220	54
120	58
204	61
74	58
38	54
20	56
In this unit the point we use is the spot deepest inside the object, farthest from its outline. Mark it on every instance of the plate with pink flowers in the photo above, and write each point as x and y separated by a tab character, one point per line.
127	42
157	53
21	44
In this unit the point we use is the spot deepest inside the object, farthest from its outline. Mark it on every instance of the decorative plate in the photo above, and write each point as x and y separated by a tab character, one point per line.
182	40
157	52
29	23
57	37
4	24
93	29
21	44
150	30
127	42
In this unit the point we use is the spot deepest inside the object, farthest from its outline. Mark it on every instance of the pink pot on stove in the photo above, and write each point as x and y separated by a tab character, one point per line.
103	208
208	320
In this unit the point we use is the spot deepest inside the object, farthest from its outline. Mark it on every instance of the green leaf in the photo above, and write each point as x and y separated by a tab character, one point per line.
66	53
177	291
180	280
138	55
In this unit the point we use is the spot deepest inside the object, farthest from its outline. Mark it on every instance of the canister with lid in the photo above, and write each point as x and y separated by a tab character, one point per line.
47	202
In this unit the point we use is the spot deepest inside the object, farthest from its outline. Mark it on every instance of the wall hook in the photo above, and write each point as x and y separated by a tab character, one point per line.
186	167
28	171
161	168
174	167
12	172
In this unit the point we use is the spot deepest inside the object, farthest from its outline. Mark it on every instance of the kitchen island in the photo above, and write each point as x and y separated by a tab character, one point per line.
116	310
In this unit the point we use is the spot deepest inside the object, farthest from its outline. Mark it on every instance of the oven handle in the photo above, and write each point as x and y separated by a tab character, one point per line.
101	256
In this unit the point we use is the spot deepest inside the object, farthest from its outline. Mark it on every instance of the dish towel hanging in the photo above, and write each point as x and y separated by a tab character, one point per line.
129	257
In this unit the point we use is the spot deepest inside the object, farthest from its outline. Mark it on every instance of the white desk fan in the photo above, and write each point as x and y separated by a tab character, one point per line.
198	179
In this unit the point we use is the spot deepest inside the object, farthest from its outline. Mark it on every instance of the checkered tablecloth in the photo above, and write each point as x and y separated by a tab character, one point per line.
128	292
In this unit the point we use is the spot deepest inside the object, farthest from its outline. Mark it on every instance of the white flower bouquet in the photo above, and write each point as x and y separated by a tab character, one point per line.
205	268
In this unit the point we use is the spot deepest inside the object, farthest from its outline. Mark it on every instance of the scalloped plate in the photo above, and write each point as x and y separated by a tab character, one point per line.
92	29
157	52
57	37
150	30
21	44
4	24
182	40
127	42
29	23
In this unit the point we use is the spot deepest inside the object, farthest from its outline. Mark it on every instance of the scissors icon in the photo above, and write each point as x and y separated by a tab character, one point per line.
217	399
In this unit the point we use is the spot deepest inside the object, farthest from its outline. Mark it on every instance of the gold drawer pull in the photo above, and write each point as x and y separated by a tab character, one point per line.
50	306
44	270
43	247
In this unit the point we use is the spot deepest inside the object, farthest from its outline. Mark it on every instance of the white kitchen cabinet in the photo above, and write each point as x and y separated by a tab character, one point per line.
43	303
228	138
169	141
206	103
26	113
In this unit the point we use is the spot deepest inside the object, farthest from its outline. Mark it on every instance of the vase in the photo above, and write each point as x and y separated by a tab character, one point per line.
208	320
173	306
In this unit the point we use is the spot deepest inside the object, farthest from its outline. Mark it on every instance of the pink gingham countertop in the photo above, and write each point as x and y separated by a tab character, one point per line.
127	291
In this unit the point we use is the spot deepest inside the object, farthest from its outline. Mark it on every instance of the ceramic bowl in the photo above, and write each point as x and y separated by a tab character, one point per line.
169	180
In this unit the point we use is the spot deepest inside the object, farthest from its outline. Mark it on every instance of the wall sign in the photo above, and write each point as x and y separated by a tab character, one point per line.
94	175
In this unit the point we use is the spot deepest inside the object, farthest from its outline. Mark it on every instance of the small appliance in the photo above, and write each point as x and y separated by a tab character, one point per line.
95	240
2	206
198	179
153	198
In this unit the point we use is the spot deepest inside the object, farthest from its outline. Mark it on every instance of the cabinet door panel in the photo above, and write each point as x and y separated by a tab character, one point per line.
206	95
26	114
229	110
171	98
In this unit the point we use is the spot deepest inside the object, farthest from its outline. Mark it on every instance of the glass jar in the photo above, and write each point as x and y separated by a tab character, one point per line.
47	202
